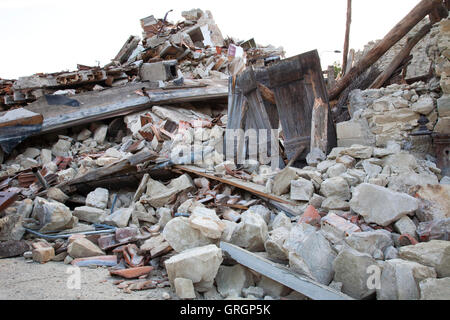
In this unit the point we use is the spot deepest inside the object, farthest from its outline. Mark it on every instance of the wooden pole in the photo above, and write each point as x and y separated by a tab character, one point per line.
398	32
347	36
412	42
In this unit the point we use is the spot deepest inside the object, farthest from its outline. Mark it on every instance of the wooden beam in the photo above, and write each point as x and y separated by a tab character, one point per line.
238	183
438	13
283	275
347	36
18	118
120	166
401	56
115	102
397	33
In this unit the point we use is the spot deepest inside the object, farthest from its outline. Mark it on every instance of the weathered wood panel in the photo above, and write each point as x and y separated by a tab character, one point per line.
297	82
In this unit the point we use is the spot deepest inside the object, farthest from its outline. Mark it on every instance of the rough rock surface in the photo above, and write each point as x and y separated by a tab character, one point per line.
380	205
435	253
181	236
199	264
251	233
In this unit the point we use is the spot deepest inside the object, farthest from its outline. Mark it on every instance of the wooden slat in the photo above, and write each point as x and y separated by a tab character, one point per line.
297	82
247	186
283	275
114	102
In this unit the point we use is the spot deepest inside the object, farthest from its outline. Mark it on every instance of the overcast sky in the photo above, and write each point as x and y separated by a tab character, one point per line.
55	35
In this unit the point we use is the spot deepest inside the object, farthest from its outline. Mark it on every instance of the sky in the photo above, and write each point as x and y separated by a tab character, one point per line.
56	35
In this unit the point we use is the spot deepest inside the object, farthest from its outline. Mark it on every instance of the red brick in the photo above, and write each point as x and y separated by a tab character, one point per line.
131	273
310	216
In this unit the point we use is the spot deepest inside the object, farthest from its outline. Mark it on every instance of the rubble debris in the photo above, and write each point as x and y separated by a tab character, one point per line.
130	173
200	265
282	275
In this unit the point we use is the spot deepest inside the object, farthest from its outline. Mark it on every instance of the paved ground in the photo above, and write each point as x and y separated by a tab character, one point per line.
21	280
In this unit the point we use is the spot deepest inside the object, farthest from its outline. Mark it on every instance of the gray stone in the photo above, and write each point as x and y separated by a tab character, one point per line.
435	289
165	215
53	216
273	288
281	220
46	156
256	292
262	211
32	153
57	195
90	214
334	203
207	222
199	264
347	161
84	135
83	248
403	182
424	106
316	201
380	205
282	181
445	180
301	189
401	162
62	148
315	157
184	288
353	132
251	233
358	152
120	217
370	242
435	253
98	198
231	280
350	268
100	134
371	170
400	280
336	170
336	187
406	226
275	242
314	257
434	202
181	236
158	195
325	165
443	105
390	253
158	71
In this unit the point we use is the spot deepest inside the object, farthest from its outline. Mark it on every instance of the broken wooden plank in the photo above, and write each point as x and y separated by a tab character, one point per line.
262	115
397	33
283	275
322	136
400	57
120	101
20	117
297	82
128	48
243	185
122	165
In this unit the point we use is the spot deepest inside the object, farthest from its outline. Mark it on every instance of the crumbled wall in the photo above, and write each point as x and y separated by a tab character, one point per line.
391	113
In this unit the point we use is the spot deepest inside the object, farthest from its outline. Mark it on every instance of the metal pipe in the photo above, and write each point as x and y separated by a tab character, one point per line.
66	236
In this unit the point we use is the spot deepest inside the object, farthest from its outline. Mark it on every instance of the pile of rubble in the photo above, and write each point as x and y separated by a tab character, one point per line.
360	212
168	53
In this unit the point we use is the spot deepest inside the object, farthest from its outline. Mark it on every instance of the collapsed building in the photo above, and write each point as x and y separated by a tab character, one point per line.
221	169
